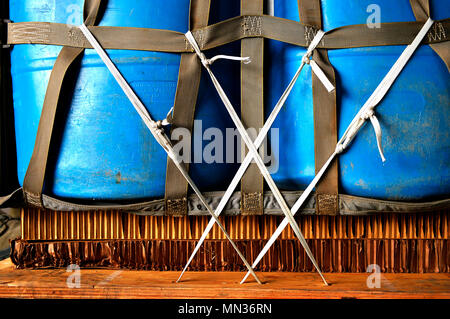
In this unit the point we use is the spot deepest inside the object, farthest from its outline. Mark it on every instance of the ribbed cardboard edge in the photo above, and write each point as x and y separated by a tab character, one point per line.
349	255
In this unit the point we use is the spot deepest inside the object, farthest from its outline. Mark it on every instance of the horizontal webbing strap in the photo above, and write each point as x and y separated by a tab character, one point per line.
352	36
109	37
33	182
348	205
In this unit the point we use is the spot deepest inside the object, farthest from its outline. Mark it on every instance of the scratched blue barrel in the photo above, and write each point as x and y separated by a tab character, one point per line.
101	149
414	115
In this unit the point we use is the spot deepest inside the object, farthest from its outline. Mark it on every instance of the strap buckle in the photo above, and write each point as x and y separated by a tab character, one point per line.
4	33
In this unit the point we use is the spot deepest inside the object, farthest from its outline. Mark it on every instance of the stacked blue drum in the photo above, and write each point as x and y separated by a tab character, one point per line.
414	115
101	148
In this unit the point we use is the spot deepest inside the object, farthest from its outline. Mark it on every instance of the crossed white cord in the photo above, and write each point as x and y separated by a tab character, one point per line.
252	147
158	133
366	112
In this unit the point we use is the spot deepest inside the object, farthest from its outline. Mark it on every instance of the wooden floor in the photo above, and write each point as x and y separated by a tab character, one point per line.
99	283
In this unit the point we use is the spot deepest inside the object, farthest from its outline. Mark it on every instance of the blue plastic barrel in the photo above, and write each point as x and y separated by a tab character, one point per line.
101	149
414	115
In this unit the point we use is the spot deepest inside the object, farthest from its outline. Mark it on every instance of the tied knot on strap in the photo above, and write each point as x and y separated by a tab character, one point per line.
370	114
205	61
357	123
367	114
306	59
339	148
354	127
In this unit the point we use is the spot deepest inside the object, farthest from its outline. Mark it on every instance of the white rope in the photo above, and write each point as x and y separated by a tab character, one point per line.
244	165
205	61
245	60
252	149
248	158
271	7
352	130
158	133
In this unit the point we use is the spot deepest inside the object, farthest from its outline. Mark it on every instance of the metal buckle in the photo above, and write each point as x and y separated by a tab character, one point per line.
4	33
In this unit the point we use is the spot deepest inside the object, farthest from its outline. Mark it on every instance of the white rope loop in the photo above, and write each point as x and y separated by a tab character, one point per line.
159	135
205	61
354	128
370	114
306	59
351	131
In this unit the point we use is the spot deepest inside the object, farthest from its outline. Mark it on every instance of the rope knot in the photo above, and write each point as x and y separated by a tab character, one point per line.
367	114
305	59
339	148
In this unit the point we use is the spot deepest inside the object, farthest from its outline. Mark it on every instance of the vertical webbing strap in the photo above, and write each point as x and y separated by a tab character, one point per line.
184	109
252	103
421	10
325	117
34	177
8	171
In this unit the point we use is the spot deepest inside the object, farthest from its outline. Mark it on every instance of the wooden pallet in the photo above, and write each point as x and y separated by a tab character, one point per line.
118	284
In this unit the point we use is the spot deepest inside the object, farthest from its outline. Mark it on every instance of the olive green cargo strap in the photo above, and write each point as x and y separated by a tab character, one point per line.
252	105
234	29
35	175
421	10
183	111
325	117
